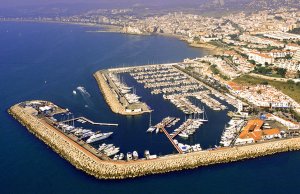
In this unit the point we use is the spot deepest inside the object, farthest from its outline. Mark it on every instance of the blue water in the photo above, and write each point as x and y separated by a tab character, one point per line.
48	61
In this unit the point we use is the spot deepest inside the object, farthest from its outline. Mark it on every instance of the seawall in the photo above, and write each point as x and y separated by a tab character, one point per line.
110	97
92	165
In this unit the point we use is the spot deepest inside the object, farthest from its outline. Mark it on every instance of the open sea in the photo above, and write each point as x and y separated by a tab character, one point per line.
49	61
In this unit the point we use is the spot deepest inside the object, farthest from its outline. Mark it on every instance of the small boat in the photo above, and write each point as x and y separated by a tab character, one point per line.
116	157
183	135
121	156
102	146
151	129
135	155
157	130
74	92
109	146
112	151
147	154
129	156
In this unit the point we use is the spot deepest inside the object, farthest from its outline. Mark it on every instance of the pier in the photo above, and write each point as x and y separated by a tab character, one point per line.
89	121
120	103
182	129
172	141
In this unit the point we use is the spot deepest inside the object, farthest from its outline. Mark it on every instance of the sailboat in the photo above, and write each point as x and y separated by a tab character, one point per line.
151	128
204	118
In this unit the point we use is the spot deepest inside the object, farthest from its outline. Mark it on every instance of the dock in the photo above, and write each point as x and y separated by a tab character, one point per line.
91	122
179	131
171	140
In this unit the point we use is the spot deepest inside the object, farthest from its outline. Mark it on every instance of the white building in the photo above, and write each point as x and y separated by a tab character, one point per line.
260	58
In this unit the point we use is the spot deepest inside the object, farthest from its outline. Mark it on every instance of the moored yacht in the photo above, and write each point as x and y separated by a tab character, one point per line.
98	137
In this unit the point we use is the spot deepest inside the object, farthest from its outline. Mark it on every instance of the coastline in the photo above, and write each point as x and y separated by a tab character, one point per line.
211	48
106	28
109	28
92	165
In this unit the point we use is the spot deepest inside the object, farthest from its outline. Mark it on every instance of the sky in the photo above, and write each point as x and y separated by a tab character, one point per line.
28	3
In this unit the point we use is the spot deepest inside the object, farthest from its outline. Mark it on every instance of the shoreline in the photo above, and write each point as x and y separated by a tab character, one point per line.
109	28
102	169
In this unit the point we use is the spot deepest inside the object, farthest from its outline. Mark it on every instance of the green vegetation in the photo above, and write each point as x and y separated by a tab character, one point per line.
252	62
216	71
289	88
281	71
295	31
296	115
262	70
268	49
218	44
288	57
265	70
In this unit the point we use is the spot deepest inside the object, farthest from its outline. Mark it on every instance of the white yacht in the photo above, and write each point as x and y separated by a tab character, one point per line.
151	129
98	137
112	151
129	156
121	156
135	155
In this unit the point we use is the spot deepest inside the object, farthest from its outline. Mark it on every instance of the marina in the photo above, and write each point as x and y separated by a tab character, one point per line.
101	166
190	107
177	87
55	162
195	107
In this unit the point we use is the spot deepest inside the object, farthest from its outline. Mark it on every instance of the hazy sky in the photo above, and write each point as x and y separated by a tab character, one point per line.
17	3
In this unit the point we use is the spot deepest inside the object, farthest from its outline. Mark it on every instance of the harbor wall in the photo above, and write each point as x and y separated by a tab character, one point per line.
110	97
89	163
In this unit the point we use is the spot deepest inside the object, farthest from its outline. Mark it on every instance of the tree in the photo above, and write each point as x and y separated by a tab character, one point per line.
281	72
252	62
288	56
291	82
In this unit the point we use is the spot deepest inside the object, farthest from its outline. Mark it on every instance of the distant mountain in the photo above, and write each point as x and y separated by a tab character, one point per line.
269	4
28	8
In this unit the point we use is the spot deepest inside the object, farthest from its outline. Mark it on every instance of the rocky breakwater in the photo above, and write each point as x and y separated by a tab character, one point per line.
109	96
89	163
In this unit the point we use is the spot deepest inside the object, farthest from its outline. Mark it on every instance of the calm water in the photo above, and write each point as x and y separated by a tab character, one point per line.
48	61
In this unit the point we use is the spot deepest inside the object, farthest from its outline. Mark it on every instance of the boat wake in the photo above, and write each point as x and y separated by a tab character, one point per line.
83	91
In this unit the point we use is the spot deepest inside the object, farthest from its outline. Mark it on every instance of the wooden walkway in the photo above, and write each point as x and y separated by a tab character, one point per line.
91	122
171	140
179	131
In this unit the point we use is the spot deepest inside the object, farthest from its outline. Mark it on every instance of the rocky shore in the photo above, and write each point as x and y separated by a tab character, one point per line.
89	163
110	97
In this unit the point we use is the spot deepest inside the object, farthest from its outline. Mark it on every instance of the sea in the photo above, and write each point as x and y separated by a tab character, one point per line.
47	61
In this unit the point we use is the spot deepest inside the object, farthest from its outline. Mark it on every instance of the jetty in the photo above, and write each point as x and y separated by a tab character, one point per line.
172	141
89	121
90	163
118	102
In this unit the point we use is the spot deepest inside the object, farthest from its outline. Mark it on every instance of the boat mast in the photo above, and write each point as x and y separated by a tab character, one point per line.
150	120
